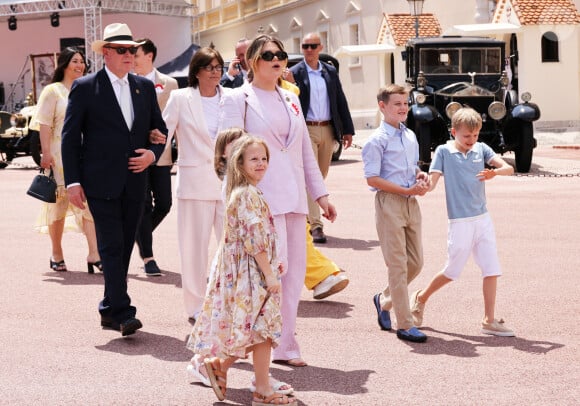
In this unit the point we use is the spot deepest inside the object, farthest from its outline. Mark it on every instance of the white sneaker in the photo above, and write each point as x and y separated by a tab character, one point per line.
496	328
417	309
330	285
195	375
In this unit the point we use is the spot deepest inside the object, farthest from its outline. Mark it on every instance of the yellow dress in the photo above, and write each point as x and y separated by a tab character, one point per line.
50	111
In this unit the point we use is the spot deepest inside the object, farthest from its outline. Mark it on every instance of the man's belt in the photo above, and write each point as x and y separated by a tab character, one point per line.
318	123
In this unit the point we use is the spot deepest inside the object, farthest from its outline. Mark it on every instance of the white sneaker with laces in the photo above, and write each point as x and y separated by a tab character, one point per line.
330	285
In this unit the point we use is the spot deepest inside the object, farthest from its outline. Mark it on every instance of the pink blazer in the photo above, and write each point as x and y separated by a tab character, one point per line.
293	168
184	116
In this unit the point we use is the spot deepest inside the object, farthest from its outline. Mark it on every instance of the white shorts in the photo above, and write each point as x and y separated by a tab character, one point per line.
473	235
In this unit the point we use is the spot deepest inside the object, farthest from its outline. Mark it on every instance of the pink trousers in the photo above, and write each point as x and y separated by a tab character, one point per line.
292	253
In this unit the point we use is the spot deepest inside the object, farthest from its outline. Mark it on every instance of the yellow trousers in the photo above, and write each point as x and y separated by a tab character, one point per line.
318	266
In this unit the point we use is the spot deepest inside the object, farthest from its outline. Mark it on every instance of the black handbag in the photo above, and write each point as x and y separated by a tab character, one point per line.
43	187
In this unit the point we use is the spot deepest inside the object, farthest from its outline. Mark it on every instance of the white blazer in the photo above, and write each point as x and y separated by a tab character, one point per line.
184	116
293	168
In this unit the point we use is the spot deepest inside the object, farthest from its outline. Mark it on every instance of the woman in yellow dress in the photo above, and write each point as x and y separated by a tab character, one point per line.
49	119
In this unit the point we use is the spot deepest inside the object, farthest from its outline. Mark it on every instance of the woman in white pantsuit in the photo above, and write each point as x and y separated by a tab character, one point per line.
192	115
264	109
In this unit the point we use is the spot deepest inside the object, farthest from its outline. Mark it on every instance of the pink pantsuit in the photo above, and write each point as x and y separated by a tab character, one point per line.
292	171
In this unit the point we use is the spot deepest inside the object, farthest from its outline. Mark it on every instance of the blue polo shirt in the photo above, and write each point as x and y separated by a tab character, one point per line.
464	192
392	153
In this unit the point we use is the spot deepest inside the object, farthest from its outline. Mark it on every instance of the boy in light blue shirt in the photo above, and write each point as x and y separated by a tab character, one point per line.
462	162
390	159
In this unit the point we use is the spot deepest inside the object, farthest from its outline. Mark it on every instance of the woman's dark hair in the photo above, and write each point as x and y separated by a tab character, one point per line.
202	58
63	60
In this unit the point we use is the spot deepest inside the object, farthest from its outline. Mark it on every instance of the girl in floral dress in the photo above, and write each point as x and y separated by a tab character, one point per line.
241	310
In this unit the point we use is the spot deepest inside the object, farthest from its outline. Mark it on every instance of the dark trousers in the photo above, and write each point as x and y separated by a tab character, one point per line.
157	205
116	222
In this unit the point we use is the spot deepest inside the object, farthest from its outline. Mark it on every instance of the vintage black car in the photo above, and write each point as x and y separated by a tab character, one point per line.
447	73
16	139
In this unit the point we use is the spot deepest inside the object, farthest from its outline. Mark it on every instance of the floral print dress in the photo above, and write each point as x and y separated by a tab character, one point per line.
238	312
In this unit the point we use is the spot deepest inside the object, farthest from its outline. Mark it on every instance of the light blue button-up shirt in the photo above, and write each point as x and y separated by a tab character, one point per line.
392	153
319	107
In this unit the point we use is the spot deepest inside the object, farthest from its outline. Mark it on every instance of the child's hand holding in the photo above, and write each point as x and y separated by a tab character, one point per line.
272	283
486	174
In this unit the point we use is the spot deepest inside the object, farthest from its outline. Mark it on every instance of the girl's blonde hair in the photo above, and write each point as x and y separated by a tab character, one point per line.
236	176
224	138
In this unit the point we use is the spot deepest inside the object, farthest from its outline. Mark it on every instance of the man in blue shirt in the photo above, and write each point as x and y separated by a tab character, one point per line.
390	159
326	112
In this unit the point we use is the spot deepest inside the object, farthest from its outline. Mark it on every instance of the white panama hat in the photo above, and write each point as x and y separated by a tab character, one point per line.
116	33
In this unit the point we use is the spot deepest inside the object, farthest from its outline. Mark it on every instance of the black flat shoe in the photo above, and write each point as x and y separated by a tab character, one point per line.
92	265
151	268
128	327
59	266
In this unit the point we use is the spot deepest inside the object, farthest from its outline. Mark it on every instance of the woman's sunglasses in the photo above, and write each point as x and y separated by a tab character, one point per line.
123	50
269	55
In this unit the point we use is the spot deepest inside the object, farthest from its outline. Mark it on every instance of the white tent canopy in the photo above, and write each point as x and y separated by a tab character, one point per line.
361	50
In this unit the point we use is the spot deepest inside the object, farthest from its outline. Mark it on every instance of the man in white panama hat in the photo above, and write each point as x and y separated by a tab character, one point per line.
106	152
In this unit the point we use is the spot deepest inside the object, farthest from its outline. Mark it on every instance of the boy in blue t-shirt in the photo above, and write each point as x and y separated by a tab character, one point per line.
462	162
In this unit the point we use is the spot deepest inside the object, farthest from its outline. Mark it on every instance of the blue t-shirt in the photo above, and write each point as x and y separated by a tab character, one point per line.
464	192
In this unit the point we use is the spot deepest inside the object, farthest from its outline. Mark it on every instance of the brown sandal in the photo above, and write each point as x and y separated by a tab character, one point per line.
273	399
217	377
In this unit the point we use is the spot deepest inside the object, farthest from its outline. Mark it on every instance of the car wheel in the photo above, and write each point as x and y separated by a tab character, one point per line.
336	151
525	148
34	146
424	138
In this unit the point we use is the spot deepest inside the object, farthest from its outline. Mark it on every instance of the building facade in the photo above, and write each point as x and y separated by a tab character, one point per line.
368	38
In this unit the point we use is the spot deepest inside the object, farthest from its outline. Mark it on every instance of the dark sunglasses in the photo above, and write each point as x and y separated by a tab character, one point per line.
269	55
123	51
311	46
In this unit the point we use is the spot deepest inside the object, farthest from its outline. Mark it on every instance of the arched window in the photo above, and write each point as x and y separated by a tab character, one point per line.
550	51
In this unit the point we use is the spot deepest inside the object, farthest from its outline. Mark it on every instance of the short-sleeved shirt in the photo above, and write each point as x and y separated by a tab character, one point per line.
392	154
464	192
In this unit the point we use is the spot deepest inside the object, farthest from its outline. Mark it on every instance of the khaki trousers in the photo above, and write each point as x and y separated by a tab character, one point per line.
398	221
322	140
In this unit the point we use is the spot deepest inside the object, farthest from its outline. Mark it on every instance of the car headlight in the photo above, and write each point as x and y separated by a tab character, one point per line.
497	110
526	96
421	80
420	98
452	108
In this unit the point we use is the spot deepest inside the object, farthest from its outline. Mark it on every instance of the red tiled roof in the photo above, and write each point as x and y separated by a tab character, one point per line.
534	12
402	27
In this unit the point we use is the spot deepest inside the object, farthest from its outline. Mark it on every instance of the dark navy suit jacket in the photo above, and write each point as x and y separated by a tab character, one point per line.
232	84
340	114
96	142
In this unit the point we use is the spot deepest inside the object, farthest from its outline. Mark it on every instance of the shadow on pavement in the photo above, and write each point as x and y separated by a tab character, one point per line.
72	277
316	379
144	343
341	162
324	309
167	278
466	345
352	243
